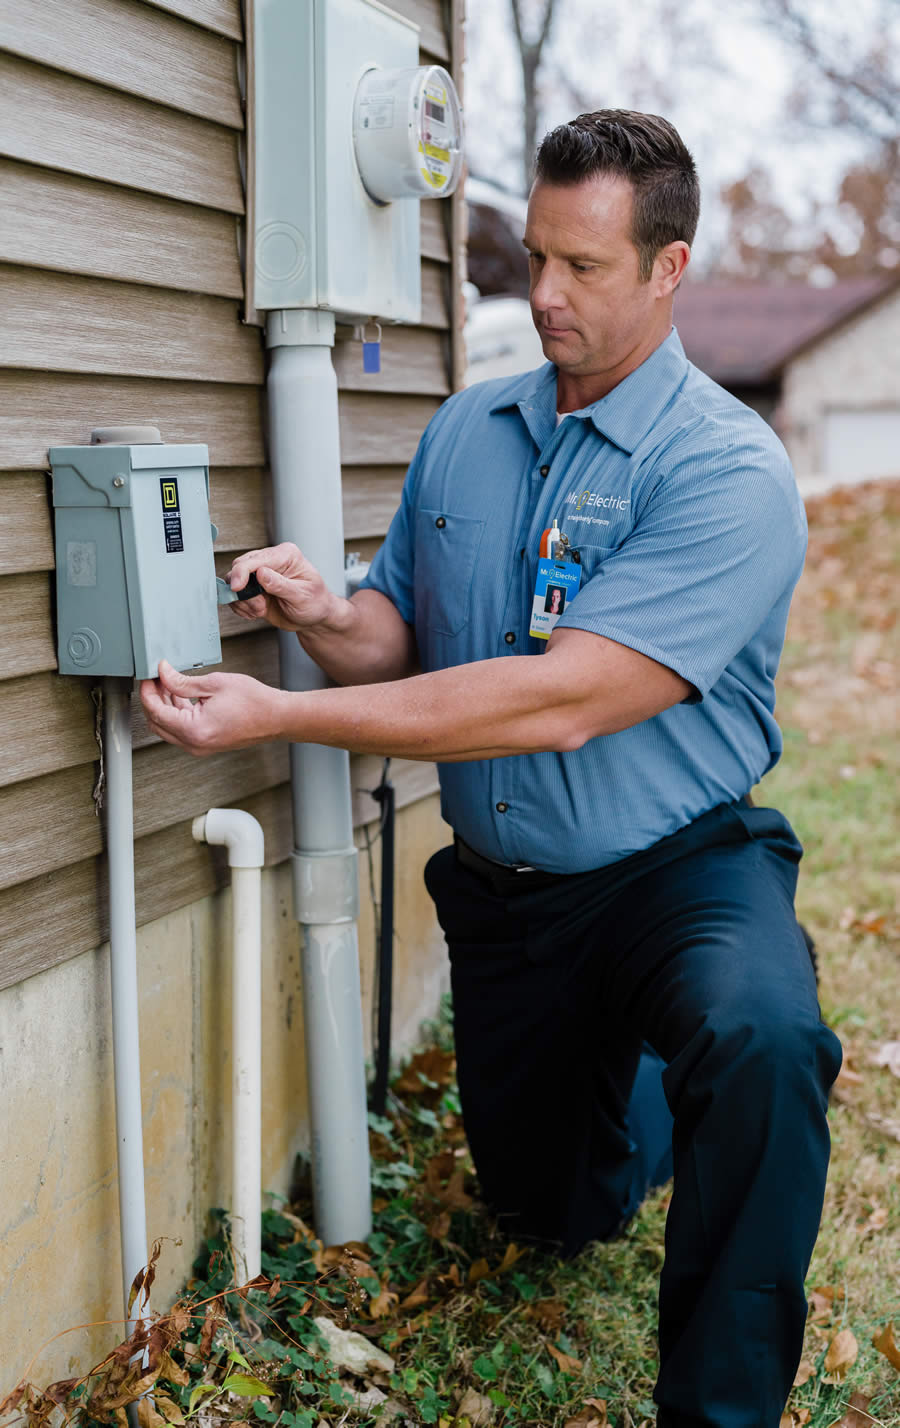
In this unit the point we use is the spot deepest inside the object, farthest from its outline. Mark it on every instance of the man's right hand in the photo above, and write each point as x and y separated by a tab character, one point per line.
296	597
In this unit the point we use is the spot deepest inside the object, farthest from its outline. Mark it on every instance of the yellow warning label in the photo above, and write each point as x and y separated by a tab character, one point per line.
169	495
436	180
434	152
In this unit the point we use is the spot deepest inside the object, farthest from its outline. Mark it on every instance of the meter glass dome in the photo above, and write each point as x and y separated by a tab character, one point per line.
407	133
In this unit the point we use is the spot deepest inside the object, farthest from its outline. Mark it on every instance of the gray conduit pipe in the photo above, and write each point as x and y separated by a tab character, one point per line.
123	978
304	453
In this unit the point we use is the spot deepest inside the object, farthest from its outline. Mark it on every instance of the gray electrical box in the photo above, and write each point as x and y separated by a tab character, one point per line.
135	578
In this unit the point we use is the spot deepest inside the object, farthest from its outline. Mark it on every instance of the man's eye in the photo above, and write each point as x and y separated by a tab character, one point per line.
582	267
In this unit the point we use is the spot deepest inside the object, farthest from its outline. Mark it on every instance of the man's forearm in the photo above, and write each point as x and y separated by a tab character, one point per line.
364	641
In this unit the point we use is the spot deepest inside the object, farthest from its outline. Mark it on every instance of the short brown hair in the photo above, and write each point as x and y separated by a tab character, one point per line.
644	149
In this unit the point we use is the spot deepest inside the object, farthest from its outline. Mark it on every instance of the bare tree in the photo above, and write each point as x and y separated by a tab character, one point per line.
850	69
530	51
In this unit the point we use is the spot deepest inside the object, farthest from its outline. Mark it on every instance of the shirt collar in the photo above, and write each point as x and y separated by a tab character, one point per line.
623	416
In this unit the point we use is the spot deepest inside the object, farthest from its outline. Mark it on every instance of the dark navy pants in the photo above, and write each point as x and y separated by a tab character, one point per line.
662	1006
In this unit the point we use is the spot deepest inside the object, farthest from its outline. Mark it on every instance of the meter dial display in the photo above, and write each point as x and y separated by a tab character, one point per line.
407	133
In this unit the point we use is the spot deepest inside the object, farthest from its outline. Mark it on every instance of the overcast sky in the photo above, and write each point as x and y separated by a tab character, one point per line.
722	78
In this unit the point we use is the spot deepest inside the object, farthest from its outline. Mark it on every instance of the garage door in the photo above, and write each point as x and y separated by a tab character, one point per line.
862	443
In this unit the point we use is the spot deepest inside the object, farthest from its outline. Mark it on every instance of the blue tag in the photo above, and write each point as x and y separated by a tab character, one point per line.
557	584
371	356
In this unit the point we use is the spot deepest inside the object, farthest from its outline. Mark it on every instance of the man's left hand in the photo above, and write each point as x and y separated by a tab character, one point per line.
211	713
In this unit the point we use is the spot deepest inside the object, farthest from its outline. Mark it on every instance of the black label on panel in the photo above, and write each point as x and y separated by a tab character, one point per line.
171	506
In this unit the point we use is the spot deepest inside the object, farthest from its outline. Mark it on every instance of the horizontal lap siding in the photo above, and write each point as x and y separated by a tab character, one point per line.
120	292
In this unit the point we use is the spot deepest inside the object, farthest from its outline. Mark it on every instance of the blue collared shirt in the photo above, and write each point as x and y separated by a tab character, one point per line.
683	506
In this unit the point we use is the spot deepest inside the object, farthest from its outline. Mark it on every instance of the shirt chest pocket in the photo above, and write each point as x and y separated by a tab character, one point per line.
446	551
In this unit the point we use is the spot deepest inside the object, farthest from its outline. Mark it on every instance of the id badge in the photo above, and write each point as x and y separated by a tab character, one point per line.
556	586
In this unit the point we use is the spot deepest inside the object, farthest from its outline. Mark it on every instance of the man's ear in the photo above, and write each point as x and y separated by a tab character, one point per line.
669	267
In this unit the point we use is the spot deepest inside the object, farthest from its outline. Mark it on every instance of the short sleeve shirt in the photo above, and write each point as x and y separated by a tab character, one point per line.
683	506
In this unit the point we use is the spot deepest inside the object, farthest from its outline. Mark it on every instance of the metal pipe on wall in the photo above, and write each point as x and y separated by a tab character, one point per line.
304	453
123	977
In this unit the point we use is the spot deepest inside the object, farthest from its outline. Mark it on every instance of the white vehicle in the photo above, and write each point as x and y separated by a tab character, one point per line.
500	336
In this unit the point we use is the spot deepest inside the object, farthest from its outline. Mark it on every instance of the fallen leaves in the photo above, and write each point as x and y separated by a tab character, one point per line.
475	1406
444	1180
427	1074
841	1355
856	1415
592	1415
564	1362
888	1055
883	1341
822	1300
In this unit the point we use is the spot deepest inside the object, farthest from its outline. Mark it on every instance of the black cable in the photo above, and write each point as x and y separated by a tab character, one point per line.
384	795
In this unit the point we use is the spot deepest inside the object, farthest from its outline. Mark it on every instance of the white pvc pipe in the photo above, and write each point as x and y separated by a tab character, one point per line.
243	837
123	978
304	455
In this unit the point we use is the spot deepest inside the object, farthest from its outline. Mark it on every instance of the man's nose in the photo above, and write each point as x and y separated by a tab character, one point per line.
548	291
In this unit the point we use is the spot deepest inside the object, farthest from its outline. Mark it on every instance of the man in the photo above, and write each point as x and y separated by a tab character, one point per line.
611	887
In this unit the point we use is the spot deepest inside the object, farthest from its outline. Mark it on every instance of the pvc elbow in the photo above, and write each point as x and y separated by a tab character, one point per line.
239	832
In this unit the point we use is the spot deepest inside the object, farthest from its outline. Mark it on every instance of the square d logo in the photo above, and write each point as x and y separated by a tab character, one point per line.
169	488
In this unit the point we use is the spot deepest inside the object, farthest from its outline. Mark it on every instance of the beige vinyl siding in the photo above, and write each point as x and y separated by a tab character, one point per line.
120	203
222	16
54	120
129	46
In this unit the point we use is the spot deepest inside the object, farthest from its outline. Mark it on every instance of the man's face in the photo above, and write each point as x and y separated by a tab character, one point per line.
590	308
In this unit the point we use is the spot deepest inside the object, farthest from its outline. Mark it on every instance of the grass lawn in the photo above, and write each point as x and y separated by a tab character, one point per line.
480	1333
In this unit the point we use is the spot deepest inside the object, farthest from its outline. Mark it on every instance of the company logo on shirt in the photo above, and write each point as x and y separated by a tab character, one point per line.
581	499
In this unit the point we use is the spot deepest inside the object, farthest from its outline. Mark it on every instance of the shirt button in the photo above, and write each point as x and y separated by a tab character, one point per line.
510	637
545	470
440	523
502	807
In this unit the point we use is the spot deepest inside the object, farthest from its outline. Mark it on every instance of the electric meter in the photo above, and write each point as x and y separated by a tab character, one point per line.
407	133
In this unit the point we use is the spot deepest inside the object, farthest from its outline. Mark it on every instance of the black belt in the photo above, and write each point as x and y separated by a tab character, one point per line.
504	878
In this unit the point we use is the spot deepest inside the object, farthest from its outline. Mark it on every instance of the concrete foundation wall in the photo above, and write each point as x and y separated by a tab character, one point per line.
59	1232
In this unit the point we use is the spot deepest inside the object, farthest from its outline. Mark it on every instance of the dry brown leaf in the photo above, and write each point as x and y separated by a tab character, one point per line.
841	1355
431	1066
794	1417
856	1415
565	1362
821	1305
884	1124
173	1372
180	1319
439	1227
147	1415
418	1295
884	1343
888	1055
511	1254
477	1407
384	1303
169	1409
592	1415
876	1221
447	1167
805	1371
480	1269
548	1314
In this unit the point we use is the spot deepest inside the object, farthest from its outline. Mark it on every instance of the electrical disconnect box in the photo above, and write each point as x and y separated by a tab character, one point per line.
135	578
344	122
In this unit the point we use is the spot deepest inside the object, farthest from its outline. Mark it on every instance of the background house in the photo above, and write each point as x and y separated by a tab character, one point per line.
121	233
